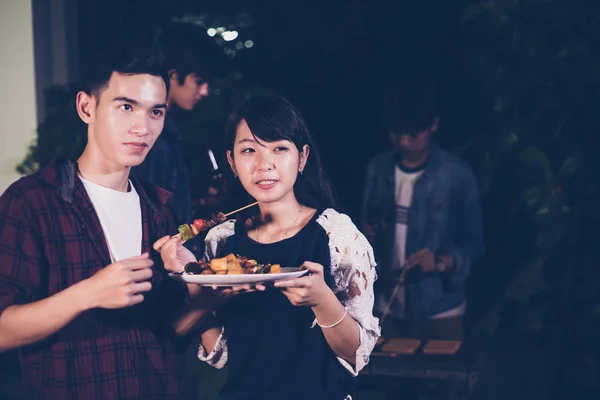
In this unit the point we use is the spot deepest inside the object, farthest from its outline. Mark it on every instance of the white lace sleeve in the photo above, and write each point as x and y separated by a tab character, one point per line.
214	242
218	356
353	270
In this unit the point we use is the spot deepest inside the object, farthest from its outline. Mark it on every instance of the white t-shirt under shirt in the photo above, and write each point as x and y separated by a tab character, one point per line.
120	215
404	184
403	189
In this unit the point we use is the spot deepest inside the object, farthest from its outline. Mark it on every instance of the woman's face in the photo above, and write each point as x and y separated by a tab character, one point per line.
267	170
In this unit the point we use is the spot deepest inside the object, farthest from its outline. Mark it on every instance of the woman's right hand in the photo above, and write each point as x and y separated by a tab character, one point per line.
173	254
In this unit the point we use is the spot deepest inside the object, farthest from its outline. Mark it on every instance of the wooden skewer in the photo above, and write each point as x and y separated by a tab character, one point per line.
240	209
401	280
393	296
389	304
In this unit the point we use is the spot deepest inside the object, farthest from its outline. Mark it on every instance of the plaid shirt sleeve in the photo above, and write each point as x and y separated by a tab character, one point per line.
21	258
171	294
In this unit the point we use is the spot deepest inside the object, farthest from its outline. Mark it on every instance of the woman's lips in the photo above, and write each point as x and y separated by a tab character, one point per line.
267	183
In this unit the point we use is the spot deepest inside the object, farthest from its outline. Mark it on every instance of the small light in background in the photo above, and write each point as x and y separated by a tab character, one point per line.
220	30
228	36
248	44
211	32
239	45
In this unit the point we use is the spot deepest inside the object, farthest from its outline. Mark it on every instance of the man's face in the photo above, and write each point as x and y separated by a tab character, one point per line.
126	119
188	94
414	145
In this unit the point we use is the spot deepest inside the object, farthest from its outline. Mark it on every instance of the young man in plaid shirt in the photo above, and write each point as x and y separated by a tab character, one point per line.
83	297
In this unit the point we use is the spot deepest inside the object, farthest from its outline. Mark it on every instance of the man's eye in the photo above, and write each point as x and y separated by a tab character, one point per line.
157	113
126	107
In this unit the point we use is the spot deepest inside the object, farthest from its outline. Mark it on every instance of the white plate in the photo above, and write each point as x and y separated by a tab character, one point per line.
238	279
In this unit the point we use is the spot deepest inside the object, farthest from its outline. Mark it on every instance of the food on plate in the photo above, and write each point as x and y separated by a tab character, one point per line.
231	264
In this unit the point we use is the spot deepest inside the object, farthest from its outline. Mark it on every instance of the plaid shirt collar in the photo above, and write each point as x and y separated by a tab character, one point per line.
62	174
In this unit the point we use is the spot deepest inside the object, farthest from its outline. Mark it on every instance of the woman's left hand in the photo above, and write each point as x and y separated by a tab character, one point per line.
174	255
310	290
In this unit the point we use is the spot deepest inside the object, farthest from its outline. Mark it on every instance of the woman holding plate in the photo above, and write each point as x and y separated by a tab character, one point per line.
302	338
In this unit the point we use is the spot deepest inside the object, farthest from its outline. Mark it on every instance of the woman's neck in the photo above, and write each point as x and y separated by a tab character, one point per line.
280	220
279	213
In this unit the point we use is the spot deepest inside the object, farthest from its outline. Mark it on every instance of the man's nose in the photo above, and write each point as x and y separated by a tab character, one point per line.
141	124
405	140
203	89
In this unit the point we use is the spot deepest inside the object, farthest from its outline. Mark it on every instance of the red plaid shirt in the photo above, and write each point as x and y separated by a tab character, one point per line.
50	239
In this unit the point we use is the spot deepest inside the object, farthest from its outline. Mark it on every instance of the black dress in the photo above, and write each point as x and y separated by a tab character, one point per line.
273	353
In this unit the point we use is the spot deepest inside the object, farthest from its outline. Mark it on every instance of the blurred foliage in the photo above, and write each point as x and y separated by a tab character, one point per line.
536	62
62	133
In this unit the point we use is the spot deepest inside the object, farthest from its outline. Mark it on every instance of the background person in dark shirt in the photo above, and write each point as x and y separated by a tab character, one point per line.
188	54
89	320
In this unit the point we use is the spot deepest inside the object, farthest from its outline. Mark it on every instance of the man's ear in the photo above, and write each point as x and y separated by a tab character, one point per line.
85	104
231	162
173	77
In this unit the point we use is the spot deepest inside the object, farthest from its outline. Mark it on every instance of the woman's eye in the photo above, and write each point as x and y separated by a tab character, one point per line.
248	150
126	107
281	148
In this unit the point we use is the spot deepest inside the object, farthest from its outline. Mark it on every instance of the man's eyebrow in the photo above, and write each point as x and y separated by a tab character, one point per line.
126	99
135	102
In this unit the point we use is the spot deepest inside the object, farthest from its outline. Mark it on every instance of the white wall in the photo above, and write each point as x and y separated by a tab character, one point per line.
18	120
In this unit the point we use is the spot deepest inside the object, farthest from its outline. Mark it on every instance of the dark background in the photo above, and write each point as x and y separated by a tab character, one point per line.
519	84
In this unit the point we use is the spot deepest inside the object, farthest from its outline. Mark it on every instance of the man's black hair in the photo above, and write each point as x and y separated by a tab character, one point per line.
189	50
127	58
410	107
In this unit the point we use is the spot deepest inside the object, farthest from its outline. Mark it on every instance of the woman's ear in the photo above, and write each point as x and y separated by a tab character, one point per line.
231	163
85	107
303	157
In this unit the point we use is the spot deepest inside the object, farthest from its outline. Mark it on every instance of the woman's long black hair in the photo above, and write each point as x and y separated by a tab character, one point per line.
271	117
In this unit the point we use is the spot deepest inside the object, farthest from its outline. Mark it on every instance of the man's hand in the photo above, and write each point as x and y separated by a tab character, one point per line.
423	258
120	284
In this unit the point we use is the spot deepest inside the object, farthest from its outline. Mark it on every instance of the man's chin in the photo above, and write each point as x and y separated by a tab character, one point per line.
134	161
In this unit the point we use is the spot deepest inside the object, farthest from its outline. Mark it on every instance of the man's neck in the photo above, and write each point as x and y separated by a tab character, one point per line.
103	173
415	161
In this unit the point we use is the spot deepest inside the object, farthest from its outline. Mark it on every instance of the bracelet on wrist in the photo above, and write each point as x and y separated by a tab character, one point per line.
335	323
